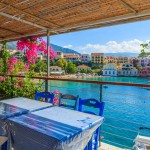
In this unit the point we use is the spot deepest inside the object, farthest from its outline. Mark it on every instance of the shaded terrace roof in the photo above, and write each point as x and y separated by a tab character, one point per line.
20	18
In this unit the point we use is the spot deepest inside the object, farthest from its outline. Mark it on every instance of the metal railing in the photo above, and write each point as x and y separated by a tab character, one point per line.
126	106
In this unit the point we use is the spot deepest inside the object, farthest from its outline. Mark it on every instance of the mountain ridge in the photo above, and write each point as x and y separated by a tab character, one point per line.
64	50
12	45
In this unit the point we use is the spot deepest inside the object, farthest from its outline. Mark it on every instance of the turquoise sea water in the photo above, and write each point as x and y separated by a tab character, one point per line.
126	108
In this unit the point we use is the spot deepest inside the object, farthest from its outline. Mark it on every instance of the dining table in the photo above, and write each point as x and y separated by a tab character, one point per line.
17	106
52	128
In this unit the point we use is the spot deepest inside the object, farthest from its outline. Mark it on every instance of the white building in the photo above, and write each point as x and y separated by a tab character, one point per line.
81	67
56	70
59	54
85	58
110	69
128	70
143	61
71	57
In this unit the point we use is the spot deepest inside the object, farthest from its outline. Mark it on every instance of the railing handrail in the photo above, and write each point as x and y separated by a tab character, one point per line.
84	81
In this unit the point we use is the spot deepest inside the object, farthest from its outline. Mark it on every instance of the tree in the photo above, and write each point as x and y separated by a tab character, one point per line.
62	63
53	62
40	66
83	71
71	68
145	46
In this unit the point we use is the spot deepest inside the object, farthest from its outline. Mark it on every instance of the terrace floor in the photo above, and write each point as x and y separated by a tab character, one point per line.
105	146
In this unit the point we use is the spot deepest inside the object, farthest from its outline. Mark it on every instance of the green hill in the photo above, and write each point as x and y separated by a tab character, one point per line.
12	45
64	50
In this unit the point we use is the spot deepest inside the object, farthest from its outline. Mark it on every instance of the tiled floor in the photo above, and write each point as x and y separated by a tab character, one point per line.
105	146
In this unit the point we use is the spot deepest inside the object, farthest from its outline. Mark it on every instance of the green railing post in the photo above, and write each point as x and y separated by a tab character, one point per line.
48	63
101	92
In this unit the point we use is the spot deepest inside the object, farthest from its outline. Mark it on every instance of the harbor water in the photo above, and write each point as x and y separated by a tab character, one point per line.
126	108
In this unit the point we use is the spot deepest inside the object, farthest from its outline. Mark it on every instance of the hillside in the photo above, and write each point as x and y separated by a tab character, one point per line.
12	45
64	50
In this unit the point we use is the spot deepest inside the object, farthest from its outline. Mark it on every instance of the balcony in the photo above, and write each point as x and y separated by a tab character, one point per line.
126	107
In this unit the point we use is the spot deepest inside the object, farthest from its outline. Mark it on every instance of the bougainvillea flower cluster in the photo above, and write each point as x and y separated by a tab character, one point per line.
11	64
31	46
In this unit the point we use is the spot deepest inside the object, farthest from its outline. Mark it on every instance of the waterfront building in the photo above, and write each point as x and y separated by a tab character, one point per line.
134	61
145	71
122	59
85	58
16	53
56	70
110	69
81	67
110	59
59	55
72	57
12	52
144	61
97	58
127	70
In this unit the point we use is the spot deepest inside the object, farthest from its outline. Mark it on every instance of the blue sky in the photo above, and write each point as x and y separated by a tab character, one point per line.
118	38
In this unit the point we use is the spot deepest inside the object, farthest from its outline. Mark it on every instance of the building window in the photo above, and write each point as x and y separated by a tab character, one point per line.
105	72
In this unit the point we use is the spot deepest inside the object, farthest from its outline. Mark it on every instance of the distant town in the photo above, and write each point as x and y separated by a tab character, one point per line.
95	64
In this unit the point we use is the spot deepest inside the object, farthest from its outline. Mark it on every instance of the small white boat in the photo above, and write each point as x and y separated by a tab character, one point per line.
142	142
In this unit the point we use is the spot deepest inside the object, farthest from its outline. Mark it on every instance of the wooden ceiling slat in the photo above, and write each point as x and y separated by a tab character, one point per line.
10	30
25	13
128	6
62	16
97	14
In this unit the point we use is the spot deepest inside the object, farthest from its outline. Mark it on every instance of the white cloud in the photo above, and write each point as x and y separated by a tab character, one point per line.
112	47
68	46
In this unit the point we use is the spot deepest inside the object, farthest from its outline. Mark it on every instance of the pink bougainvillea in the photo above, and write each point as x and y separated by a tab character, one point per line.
31	46
11	64
12	61
56	97
3	78
55	101
27	66
56	92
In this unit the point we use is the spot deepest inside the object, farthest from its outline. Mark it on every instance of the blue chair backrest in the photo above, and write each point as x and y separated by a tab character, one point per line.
91	103
65	100
46	95
93	143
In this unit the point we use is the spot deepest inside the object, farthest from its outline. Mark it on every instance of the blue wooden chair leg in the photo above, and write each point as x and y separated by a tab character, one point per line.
4	146
86	148
90	144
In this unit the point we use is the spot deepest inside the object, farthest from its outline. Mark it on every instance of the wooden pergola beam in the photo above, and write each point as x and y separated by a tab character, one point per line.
101	23
128	6
26	13
22	20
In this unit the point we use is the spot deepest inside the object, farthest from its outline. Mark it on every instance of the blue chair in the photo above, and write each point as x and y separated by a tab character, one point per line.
46	95
92	103
3	142
68	101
